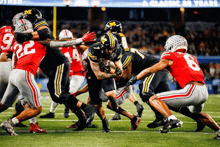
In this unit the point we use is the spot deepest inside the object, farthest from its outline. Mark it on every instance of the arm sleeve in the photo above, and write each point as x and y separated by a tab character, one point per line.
167	55
125	61
65	43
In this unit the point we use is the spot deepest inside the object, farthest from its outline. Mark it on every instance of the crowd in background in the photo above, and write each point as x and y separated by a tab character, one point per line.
150	37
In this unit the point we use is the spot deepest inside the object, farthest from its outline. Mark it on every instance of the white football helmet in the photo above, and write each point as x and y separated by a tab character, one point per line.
17	17
175	43
23	25
65	34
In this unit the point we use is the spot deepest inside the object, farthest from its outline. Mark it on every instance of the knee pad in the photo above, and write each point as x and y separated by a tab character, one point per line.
145	96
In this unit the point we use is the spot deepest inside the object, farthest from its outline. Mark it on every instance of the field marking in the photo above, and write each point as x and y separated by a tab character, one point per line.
75	120
71	131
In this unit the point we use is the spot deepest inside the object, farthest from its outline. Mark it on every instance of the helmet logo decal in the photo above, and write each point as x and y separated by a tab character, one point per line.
112	24
27	12
103	39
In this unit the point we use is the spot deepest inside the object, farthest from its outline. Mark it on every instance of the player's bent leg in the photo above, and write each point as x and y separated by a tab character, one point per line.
135	120
161	107
140	108
82	119
185	111
29	113
207	120
3	107
52	111
18	109
101	113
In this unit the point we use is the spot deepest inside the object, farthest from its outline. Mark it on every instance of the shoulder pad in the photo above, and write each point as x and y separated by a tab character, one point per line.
93	52
40	22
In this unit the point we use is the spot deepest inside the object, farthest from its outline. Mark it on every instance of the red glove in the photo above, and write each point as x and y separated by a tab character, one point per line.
89	37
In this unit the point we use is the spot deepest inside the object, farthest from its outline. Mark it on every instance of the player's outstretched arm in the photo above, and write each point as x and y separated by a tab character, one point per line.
86	37
155	68
150	70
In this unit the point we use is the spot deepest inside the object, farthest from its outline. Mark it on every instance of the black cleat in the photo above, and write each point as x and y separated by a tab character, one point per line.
217	137
90	109
66	113
171	125
48	115
105	125
200	126
89	119
158	122
140	109
20	125
81	125
134	122
116	117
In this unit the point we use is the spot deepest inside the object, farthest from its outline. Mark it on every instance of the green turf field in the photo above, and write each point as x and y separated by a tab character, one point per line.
120	135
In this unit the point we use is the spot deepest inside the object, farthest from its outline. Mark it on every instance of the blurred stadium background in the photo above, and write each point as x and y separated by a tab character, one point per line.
146	24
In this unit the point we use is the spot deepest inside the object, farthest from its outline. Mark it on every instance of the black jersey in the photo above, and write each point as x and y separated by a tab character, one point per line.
139	60
54	56
97	54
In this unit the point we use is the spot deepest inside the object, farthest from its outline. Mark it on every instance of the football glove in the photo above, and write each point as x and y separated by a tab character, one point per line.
89	37
104	68
118	71
132	80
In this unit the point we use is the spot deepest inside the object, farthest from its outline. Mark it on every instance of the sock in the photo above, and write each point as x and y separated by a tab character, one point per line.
33	120
83	106
171	117
136	102
15	121
53	107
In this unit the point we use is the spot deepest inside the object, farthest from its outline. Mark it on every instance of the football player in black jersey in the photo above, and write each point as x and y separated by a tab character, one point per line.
115	27
101	77
55	65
